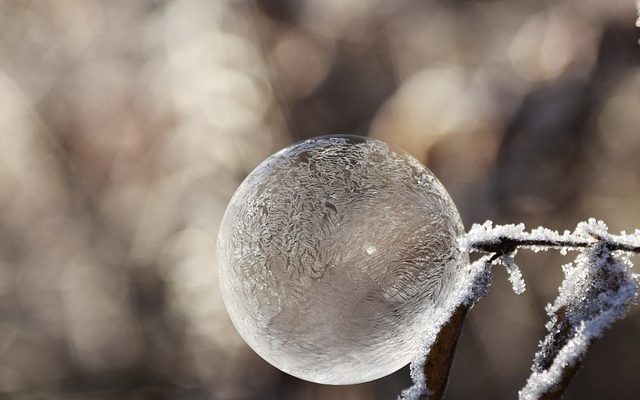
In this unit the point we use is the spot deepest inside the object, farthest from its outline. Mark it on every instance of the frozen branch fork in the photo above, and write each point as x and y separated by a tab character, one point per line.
598	288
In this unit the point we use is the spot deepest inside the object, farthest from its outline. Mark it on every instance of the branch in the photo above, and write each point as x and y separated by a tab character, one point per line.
505	239
430	369
597	290
438	364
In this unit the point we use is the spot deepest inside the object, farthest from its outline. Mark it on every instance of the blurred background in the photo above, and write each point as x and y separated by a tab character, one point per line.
125	128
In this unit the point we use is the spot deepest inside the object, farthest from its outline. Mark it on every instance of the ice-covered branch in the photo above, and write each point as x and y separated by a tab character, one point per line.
505	239
430	368
596	292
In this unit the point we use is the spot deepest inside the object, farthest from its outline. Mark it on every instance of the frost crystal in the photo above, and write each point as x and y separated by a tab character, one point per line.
335	255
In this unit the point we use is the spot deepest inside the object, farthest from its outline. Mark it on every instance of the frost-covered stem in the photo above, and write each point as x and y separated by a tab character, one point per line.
430	369
550	347
504	245
597	291
438	364
506	239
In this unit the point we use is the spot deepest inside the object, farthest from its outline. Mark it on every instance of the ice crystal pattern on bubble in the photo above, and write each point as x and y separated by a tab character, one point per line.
334	254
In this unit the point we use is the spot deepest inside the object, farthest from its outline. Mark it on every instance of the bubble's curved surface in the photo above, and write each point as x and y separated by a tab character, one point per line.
333	254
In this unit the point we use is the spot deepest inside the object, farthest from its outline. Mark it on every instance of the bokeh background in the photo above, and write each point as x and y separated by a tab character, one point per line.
125	128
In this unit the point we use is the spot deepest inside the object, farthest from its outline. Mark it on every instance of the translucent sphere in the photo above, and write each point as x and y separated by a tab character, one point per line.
334	254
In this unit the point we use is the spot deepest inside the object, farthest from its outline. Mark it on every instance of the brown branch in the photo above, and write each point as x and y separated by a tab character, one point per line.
440	357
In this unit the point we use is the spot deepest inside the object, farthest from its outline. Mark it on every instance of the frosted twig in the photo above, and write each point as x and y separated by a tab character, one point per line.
504	239
515	276
596	292
430	368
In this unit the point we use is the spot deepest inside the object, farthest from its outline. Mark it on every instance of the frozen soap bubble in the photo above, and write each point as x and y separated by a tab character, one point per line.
334	255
